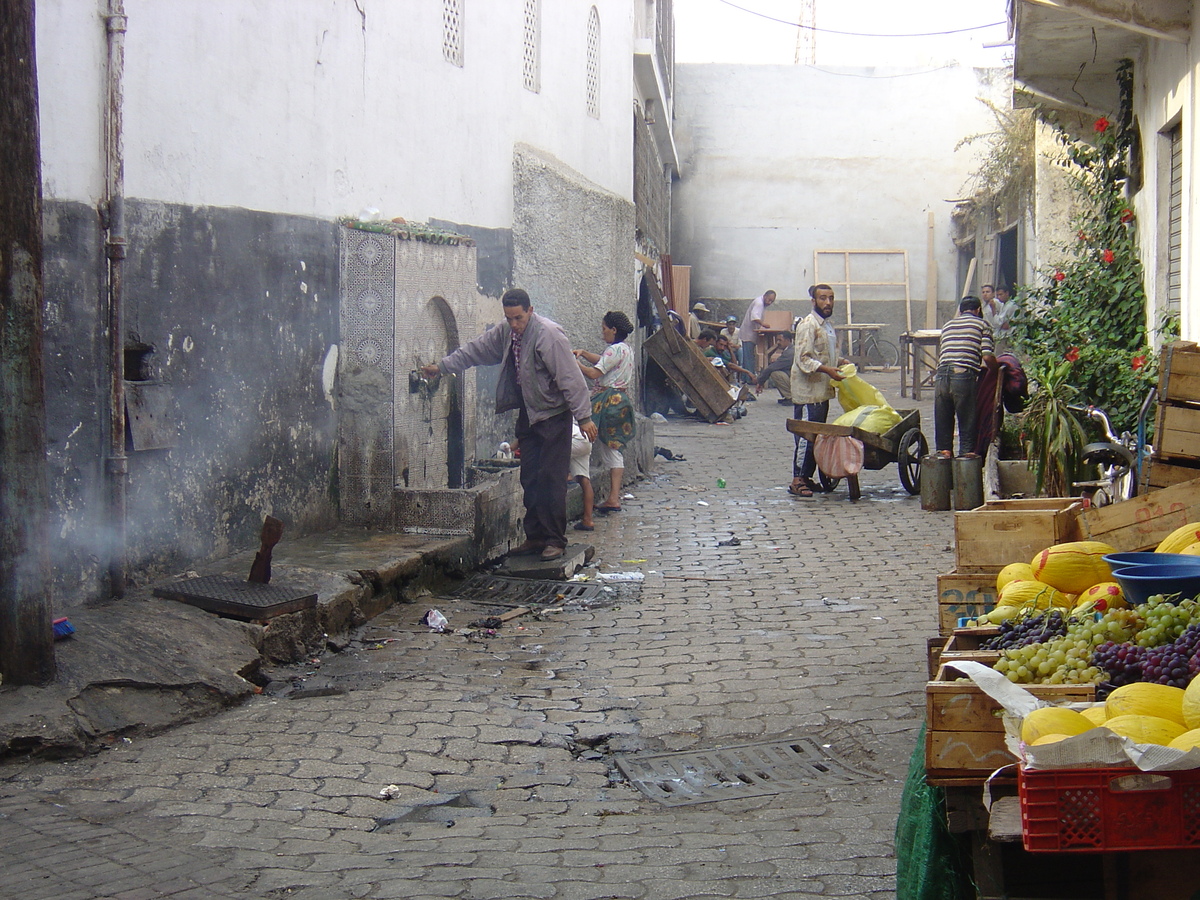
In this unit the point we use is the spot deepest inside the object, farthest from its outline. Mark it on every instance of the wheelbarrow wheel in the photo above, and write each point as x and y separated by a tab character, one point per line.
827	484
910	451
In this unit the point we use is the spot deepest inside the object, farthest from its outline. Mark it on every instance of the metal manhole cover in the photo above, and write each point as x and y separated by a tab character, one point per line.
498	590
227	596
735	773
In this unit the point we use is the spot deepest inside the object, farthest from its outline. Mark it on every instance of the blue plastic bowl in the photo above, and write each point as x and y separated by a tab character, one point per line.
1150	558
1140	583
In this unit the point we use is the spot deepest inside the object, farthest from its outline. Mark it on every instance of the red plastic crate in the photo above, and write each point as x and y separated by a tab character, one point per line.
1094	810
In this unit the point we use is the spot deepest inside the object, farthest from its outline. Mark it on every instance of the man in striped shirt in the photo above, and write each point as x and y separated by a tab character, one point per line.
964	349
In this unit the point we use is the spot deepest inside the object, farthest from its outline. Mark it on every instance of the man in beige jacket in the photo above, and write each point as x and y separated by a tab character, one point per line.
814	370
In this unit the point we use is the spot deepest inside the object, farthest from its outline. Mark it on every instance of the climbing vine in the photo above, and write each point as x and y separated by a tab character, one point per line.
1089	309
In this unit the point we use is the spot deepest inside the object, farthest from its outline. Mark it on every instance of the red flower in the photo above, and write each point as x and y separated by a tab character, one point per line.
1059	276
1108	256
1101	125
1082	235
1138	363
1126	216
1072	354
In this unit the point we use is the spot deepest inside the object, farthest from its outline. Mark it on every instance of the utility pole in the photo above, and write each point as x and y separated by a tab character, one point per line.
806	34
26	632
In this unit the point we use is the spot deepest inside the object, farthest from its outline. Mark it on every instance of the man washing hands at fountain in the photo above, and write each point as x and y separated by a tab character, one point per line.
539	378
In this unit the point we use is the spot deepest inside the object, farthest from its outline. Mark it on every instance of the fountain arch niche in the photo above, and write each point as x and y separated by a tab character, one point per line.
405	451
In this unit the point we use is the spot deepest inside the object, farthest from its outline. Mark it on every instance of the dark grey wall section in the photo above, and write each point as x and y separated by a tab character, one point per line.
76	382
493	255
240	309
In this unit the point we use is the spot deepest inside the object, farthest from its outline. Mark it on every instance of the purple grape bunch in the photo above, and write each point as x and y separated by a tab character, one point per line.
1036	629
1175	664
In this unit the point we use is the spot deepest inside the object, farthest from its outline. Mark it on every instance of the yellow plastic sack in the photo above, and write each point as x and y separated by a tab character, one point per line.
875	419
853	391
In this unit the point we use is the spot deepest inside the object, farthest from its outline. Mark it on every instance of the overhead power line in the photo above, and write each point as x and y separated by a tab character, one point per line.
755	12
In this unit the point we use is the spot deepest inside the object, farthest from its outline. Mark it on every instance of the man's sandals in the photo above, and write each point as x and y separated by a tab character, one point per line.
802	487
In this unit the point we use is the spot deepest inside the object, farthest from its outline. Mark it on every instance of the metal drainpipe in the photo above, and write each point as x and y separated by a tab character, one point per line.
114	248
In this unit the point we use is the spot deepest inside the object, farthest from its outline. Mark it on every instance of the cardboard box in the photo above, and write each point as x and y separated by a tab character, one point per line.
964	729
1008	531
1142	523
965	594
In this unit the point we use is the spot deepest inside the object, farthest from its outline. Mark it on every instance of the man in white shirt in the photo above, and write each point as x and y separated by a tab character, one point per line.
752	324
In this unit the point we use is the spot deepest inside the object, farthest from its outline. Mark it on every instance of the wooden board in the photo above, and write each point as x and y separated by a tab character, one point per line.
1008	531
690	373
1141	523
965	594
1162	473
681	290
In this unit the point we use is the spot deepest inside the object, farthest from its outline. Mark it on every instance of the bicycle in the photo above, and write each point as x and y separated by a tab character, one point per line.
1118	457
877	353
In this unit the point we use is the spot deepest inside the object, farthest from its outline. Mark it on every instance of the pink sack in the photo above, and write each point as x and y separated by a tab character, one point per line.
838	455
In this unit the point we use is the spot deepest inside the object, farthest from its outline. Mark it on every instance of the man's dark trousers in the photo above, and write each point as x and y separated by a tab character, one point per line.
545	462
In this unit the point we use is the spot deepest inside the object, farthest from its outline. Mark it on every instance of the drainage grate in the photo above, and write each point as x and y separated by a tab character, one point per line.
227	596
498	590
734	773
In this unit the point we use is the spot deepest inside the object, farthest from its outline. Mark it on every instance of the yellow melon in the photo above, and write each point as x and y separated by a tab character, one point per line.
1014	572
1192	549
1050	739
1095	714
1086	608
1000	614
1187	740
1034	594
1053	720
1191	704
1073	567
1145	729
1181	537
1145	699
1107	595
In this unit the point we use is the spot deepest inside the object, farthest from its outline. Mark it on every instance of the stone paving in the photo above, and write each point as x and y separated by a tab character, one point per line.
500	749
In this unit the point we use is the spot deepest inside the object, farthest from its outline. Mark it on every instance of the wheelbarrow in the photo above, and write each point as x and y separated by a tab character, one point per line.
902	444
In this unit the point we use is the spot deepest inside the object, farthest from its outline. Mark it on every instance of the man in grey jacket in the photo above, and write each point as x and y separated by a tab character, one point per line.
539	378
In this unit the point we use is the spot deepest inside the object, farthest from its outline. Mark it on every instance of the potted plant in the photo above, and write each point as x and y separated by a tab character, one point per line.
1053	436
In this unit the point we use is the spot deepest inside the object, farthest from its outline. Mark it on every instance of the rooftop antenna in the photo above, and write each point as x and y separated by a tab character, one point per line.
806	34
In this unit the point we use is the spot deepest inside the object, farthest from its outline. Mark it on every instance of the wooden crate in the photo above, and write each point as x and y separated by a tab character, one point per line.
1141	523
1163	473
1177	431
1179	373
933	655
1009	531
964	731
965	594
964	644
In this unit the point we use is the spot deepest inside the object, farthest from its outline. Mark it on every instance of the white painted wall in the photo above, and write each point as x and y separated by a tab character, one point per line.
778	161
1164	96
324	107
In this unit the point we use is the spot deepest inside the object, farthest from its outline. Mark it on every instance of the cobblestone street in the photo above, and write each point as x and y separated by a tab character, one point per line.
813	626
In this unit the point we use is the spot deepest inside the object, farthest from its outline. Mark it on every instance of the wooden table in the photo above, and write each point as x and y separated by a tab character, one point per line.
918	349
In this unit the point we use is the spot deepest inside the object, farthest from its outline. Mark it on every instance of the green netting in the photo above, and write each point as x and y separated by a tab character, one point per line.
929	859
